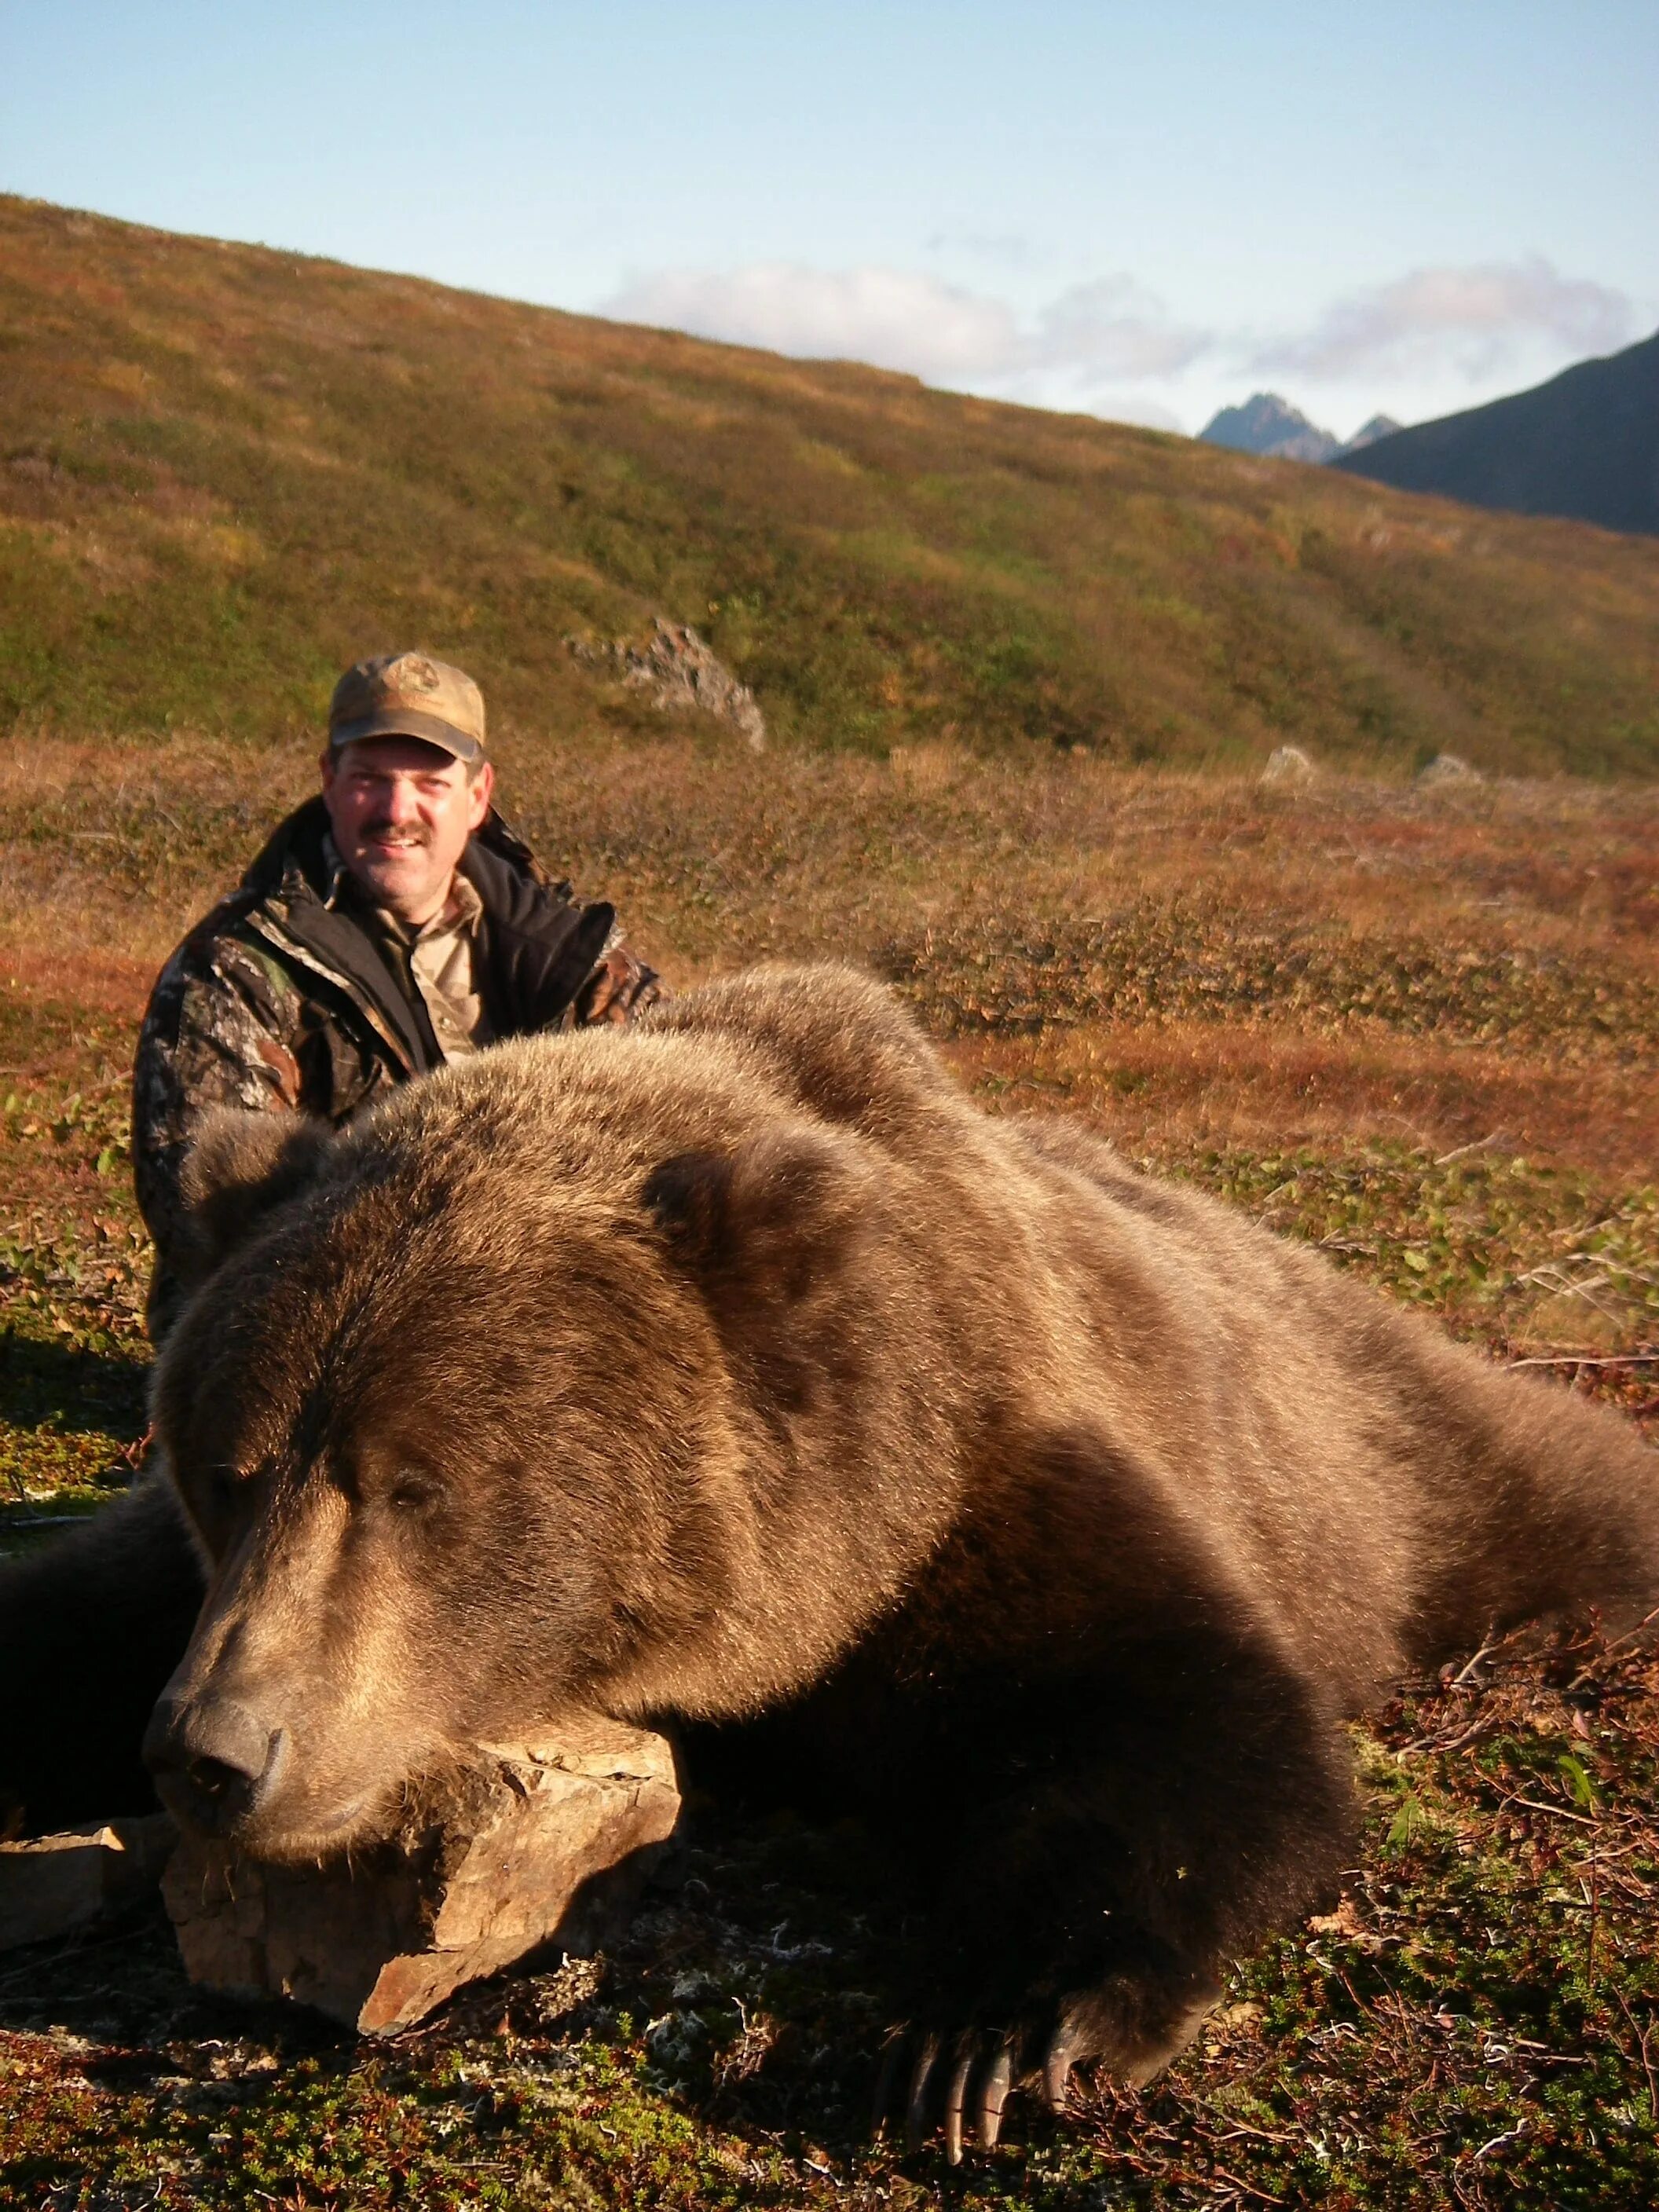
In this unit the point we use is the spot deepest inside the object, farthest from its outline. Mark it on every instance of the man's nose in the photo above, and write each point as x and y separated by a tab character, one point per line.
213	1760
402	799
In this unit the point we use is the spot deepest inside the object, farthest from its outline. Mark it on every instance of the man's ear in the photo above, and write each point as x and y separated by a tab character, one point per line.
241	1166
769	1219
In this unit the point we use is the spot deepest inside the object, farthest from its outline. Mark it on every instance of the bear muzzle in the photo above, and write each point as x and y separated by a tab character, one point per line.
213	1761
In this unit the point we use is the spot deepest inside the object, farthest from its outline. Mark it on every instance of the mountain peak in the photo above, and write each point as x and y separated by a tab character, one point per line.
1269	425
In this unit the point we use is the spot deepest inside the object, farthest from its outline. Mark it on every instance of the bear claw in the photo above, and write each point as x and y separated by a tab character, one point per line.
976	2087
1063	2053
962	2083
954	2098
915	2111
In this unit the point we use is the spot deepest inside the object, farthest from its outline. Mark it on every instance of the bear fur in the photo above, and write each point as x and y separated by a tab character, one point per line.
735	1369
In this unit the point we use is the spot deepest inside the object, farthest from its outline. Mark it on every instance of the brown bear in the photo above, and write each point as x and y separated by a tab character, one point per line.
734	1369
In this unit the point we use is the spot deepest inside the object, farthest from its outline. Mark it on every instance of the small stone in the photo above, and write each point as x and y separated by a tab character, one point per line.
522	1845
1288	764
51	1884
1449	768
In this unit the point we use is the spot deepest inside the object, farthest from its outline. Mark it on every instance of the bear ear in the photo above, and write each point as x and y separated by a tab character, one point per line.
769	1219
240	1167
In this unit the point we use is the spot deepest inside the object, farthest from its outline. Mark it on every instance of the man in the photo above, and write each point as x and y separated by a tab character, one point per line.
391	924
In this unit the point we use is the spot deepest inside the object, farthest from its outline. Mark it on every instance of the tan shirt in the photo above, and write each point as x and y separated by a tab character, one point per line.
443	958
442	955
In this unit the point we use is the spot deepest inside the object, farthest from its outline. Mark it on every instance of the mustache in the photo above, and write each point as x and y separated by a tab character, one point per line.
408	833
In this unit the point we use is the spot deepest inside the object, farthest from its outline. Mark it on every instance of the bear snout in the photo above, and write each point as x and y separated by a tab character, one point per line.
213	1761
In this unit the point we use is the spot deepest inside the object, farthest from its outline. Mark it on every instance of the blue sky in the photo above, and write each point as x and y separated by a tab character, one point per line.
1136	210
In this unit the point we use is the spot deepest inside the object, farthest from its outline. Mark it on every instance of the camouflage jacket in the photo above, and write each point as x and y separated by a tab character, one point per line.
288	998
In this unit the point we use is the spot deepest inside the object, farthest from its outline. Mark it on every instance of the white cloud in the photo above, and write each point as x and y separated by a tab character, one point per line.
1133	407
1109	330
1475	319
1113	328
1413	347
891	317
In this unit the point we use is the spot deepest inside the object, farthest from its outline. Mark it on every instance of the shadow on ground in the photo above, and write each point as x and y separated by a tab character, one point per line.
78	1391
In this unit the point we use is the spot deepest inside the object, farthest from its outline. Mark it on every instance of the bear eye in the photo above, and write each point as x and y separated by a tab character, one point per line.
412	1492
220	1489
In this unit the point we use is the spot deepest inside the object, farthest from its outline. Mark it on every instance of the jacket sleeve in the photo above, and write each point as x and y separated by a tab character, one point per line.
619	985
222	1030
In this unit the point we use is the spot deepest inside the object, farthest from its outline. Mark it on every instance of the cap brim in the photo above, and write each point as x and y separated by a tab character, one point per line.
407	722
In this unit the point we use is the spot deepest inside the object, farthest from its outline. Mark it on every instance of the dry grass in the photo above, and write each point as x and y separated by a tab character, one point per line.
1356	959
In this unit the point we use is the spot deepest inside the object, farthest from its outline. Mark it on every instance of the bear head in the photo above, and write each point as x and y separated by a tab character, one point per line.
451	1412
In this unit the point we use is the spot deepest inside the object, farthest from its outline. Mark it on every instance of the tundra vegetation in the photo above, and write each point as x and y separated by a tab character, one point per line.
1417	1025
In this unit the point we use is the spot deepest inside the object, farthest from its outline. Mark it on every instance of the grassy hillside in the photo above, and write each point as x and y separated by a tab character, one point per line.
225	471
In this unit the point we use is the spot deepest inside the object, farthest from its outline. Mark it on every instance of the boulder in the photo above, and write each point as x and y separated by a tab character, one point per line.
681	673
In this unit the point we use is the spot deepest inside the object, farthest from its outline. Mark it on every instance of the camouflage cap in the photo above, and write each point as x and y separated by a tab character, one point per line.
405	694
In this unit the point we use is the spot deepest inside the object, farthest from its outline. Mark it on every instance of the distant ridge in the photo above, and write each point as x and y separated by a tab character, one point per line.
1585	446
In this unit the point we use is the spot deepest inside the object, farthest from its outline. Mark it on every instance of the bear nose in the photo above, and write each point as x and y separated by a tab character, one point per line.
212	1760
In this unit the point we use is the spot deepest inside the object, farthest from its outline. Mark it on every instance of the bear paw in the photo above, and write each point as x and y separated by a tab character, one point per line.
962	2081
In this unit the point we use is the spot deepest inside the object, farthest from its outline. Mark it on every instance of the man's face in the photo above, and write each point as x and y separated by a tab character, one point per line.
402	812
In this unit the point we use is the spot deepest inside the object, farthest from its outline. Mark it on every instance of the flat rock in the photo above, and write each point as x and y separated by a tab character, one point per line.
51	1884
524	1844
